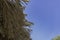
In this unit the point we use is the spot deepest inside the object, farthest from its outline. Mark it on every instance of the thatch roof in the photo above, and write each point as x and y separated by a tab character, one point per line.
12	21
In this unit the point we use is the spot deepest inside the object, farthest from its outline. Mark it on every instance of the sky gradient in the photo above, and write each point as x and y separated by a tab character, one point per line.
45	14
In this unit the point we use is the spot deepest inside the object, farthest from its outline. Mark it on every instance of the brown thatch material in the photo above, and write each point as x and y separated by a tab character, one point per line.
12	21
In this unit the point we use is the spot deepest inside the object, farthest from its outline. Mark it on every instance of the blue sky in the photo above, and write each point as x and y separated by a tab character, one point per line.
45	14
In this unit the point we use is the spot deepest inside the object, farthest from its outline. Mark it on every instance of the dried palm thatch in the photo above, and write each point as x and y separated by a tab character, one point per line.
12	21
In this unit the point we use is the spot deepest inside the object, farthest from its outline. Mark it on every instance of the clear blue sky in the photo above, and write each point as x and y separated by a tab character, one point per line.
45	14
